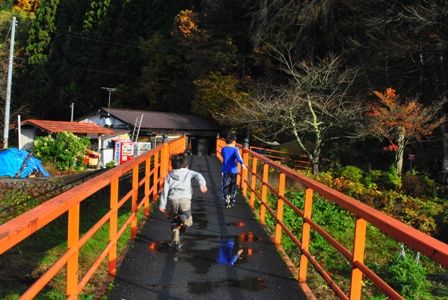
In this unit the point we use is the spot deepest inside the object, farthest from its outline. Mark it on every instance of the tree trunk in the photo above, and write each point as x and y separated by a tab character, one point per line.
400	151
315	165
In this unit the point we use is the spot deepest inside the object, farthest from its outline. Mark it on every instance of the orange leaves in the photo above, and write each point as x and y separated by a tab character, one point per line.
390	117
392	148
186	22
28	6
389	97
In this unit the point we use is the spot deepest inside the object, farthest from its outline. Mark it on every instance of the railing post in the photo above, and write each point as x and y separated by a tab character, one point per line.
147	178
281	192
358	256
134	201
253	182
113	226
164	161
308	206
264	193
244	172
73	242
155	180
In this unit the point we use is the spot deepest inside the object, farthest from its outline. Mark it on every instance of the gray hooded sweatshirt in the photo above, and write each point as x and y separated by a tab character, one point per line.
178	185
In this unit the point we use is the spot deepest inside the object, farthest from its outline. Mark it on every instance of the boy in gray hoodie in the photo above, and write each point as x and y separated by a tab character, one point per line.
177	193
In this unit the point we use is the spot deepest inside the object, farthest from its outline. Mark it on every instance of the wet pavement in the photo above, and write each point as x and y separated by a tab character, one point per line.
225	254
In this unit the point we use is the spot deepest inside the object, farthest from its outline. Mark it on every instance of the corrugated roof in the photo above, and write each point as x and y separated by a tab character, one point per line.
74	127
163	120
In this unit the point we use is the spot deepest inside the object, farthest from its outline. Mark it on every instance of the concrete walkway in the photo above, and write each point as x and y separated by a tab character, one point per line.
202	269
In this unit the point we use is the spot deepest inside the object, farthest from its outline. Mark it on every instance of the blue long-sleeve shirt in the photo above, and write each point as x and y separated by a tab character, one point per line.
230	158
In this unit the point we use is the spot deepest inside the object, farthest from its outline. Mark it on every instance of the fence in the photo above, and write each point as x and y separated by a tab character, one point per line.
155	163
255	187
299	162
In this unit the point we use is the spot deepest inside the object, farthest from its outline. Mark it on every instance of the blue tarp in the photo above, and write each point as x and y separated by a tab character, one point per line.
20	164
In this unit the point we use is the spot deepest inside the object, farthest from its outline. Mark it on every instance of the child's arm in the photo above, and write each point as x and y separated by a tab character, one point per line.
164	195
240	160
200	180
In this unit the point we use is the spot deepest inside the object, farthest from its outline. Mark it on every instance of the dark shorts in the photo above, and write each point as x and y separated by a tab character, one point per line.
180	210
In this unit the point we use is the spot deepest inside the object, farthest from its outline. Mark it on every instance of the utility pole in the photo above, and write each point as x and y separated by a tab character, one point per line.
110	90
72	108
19	133
9	84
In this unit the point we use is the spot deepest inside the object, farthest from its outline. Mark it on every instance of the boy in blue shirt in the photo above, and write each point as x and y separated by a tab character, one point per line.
230	159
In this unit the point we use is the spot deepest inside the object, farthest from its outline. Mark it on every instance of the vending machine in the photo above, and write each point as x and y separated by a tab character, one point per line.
141	147
123	151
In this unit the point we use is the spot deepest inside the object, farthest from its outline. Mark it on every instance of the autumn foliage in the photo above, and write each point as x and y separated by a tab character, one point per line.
186	23
399	122
28	6
390	113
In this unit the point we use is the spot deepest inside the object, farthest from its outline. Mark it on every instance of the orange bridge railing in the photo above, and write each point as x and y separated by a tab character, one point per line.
155	164
255	186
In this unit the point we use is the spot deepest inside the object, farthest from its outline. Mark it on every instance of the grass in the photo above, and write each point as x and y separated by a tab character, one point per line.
23	264
381	250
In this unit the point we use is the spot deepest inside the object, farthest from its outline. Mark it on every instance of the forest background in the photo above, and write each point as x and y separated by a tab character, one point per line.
211	57
248	64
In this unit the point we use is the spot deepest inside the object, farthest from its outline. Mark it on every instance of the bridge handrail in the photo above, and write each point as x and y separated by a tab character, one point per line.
156	163
415	239
279	155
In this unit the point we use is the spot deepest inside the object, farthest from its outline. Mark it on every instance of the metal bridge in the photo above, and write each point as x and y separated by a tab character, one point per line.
231	253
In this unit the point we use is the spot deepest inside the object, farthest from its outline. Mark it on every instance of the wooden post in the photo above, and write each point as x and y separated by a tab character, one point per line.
306	230
113	226
134	201
253	182
281	192
155	180
358	255
164	163
147	179
73	242
264	194
244	173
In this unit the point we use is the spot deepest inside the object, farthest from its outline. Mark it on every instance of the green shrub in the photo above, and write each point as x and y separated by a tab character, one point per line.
110	164
66	151
392	179
353	173
373	177
408	277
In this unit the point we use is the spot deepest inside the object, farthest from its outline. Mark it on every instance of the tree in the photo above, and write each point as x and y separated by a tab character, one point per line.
315	106
41	32
217	93
401	122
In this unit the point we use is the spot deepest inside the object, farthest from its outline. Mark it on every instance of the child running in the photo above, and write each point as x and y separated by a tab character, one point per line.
177	193
230	158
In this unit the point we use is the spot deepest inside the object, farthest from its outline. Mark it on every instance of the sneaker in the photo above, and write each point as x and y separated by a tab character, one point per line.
176	245
228	201
232	203
176	236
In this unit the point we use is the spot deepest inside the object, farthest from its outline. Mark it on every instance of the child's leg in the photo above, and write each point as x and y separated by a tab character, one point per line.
226	185
174	208
173	211
185	213
232	187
